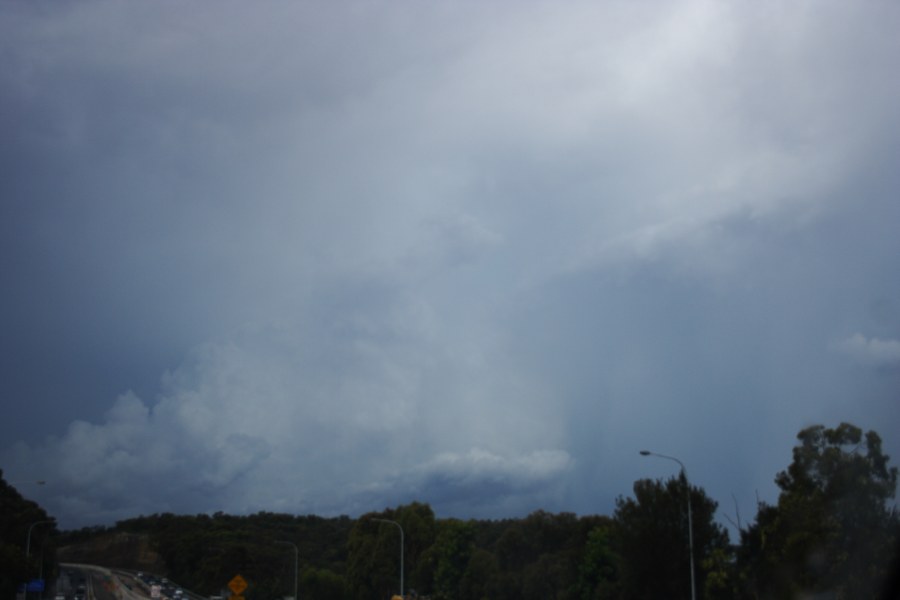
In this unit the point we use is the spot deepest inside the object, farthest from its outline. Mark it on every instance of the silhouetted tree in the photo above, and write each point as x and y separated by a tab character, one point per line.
831	530
652	534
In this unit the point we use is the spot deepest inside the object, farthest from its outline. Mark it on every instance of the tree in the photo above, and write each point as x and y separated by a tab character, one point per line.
321	583
652	532
479	580
420	529
831	530
17	514
373	562
599	573
453	550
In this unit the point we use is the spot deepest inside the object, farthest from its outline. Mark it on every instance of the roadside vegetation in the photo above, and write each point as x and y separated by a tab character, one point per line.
832	532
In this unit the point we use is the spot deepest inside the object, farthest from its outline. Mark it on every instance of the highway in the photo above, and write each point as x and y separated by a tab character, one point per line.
101	583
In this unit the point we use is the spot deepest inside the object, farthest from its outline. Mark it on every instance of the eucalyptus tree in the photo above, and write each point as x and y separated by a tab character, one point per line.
832	530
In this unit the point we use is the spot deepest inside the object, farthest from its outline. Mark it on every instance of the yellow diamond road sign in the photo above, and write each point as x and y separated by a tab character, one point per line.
237	585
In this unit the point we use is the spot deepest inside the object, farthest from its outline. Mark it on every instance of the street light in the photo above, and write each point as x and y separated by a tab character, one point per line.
296	562
401	548
28	539
28	546
690	523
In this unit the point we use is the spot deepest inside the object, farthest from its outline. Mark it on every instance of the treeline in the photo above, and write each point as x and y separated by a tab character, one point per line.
832	532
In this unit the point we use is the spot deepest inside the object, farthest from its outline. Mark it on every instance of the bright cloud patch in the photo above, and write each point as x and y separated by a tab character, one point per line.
266	424
871	351
478	469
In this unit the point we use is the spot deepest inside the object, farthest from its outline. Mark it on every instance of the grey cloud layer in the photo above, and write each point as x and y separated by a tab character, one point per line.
258	425
473	254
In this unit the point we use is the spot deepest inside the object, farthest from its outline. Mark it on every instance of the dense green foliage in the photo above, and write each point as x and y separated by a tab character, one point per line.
831	530
654	540
18	516
204	552
830	534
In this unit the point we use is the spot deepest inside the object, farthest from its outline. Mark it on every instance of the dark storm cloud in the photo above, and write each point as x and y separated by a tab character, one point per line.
307	258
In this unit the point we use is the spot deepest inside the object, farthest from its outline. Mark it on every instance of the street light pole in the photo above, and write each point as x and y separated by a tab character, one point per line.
296	563
28	539
41	571
401	549
690	522
28	547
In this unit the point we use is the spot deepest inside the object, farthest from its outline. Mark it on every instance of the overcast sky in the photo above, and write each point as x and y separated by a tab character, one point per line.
332	257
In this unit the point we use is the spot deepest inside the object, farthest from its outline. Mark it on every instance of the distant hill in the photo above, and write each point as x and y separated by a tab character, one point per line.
114	549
